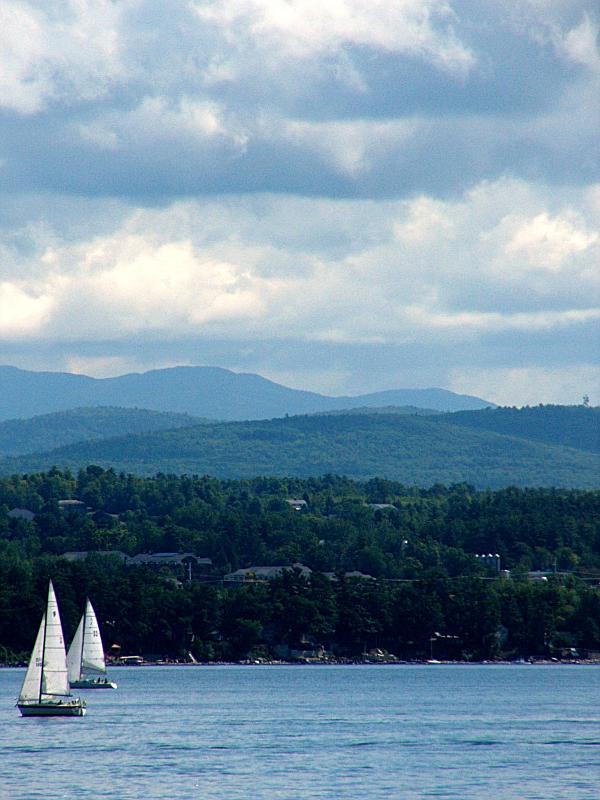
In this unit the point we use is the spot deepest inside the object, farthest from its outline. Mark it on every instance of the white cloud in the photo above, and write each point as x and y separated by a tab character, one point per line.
427	220
580	44
157	118
350	148
531	385
22	311
305	28
67	50
546	242
263	114
127	284
500	259
464	321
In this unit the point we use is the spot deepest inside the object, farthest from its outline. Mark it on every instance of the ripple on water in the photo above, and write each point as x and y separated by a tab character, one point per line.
319	735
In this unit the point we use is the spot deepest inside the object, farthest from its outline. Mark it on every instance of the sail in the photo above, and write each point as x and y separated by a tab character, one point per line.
92	657
74	654
54	672
46	674
31	685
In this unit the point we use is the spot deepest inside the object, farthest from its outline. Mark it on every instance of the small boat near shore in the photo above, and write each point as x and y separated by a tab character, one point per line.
46	691
85	660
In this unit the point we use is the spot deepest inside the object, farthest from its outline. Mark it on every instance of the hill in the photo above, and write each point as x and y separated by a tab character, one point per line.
572	426
201	391
414	410
416	450
50	431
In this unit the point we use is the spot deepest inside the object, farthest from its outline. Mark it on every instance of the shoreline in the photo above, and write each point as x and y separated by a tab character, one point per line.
346	663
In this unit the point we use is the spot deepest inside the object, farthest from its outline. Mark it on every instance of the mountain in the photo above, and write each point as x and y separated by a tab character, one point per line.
49	431
417	450
201	391
433	399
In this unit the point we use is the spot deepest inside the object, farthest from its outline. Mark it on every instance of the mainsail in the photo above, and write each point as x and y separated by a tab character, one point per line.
31	685
86	654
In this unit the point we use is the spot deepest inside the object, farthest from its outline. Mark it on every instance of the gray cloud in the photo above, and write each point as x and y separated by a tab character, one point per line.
346	196
208	99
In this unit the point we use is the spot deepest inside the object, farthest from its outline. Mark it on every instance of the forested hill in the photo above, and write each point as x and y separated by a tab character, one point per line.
414	550
49	431
572	426
413	449
201	391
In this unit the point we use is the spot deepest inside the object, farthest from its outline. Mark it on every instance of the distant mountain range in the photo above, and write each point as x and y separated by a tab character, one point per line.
541	446
209	392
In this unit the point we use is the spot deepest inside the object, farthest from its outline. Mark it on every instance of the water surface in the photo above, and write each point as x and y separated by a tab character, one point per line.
233	732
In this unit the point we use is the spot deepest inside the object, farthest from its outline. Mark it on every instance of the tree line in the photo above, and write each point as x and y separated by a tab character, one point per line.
426	595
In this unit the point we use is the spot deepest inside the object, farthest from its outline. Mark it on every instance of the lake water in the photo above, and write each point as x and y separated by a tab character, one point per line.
229	732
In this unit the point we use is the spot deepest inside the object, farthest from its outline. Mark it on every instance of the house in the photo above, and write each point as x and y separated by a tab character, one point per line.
187	563
130	661
381	506
72	506
539	575
297	504
103	517
263	574
356	574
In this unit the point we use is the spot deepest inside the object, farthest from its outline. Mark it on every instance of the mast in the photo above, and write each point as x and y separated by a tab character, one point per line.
44	647
83	640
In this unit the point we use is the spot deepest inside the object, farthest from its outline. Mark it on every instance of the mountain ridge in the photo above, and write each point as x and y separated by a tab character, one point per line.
414	449
60	428
212	392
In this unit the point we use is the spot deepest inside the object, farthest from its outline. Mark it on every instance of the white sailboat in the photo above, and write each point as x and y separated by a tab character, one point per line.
85	659
45	691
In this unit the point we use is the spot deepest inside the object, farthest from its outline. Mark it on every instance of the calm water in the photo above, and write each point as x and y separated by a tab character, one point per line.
314	732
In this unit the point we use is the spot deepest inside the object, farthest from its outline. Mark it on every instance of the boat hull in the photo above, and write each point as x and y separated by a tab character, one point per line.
74	709
98	683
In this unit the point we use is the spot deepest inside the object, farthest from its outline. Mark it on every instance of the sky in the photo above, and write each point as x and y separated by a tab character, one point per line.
342	196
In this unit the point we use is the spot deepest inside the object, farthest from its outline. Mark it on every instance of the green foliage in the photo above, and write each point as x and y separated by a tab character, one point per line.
417	450
571	426
427	594
49	431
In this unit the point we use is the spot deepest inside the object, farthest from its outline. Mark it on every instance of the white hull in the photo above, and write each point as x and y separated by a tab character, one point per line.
93	683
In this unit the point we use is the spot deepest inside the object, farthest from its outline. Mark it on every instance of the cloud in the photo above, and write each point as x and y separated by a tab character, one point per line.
500	258
359	190
126	284
22	312
580	43
158	119
546	243
306	28
69	51
387	98
531	385
109	366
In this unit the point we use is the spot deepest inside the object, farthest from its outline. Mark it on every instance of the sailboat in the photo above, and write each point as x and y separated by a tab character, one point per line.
85	659
45	691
